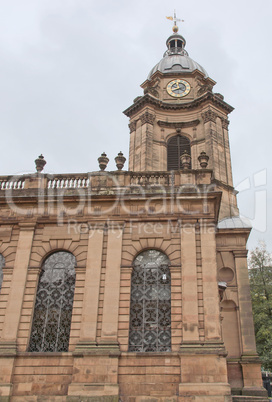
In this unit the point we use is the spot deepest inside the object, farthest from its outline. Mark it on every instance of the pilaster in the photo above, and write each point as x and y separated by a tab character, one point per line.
251	365
210	284
91	290
112	286
8	342
245	308
189	285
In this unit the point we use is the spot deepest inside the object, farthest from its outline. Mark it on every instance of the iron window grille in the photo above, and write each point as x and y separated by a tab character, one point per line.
150	305
54	304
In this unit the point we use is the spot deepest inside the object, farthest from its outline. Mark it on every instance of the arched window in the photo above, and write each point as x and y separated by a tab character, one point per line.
150	304
54	303
2	264
175	148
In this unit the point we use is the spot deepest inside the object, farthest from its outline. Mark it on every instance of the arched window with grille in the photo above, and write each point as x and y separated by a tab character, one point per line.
54	304
150	303
175	148
2	264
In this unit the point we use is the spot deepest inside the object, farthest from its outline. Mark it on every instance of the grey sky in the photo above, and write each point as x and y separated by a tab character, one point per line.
65	64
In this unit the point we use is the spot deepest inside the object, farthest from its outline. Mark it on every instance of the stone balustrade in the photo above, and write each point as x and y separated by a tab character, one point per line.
12	182
99	181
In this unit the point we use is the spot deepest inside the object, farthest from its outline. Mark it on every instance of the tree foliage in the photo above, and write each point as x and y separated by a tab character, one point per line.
260	276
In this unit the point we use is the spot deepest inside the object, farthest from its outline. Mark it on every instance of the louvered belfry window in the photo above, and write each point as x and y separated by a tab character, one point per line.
2	264
175	148
150	304
54	304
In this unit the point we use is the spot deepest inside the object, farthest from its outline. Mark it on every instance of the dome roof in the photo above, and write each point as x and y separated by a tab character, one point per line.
176	59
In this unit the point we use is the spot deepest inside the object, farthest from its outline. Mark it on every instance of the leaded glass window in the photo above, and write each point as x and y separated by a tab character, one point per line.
150	304
54	303
2	263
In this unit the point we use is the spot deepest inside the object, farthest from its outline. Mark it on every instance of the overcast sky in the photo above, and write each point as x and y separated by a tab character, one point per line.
68	68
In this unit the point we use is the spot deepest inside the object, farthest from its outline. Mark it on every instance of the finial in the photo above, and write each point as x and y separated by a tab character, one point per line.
203	159
103	161
120	161
175	19
40	163
185	160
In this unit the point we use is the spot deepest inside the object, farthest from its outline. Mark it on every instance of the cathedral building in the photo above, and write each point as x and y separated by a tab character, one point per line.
133	285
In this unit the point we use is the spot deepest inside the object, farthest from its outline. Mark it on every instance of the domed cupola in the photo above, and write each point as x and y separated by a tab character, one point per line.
176	58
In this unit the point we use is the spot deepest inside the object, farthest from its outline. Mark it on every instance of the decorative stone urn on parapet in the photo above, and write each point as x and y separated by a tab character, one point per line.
40	162
203	159
120	161
103	160
185	160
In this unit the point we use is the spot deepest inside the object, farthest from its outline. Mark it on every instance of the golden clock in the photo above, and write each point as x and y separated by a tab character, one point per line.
178	88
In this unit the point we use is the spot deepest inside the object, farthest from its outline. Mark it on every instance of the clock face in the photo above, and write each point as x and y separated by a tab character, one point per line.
178	88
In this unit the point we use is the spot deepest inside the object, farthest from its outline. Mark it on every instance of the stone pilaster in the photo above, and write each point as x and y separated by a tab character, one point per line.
189	285
251	365
8	344
210	285
112	287
245	308
91	290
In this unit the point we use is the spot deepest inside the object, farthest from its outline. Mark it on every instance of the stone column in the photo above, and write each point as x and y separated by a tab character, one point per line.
95	375
250	362
212	321
132	127
112	287
245	308
8	347
15	300
91	290
189	285
147	121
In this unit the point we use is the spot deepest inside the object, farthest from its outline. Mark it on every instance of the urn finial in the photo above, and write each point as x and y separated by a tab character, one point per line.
120	161
103	160
203	159
185	160
40	162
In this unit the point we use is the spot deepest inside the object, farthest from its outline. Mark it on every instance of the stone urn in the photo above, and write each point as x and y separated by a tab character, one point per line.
120	161
185	160
40	162
203	159
103	160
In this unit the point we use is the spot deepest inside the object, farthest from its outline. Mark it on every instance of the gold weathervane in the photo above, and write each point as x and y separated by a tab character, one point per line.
175	19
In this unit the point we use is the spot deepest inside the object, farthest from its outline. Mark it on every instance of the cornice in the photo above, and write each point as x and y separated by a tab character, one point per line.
150	100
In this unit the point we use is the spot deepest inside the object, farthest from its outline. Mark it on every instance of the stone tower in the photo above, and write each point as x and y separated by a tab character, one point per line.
132	286
179	107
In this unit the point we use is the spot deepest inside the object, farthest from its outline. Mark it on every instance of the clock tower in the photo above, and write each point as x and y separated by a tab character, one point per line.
179	112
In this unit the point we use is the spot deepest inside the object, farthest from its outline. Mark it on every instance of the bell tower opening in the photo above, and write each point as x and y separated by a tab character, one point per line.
176	146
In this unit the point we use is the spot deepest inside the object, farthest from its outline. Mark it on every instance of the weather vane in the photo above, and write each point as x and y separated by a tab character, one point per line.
175	19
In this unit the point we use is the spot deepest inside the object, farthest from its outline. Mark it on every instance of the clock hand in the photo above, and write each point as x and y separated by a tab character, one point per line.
176	89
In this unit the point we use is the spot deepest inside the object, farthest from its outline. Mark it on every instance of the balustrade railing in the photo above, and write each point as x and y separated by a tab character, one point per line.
105	180
12	183
150	179
67	181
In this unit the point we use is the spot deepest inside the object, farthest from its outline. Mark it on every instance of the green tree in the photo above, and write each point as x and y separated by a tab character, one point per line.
260	276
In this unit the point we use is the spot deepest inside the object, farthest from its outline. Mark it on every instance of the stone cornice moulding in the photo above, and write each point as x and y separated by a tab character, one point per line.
240	253
207	97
